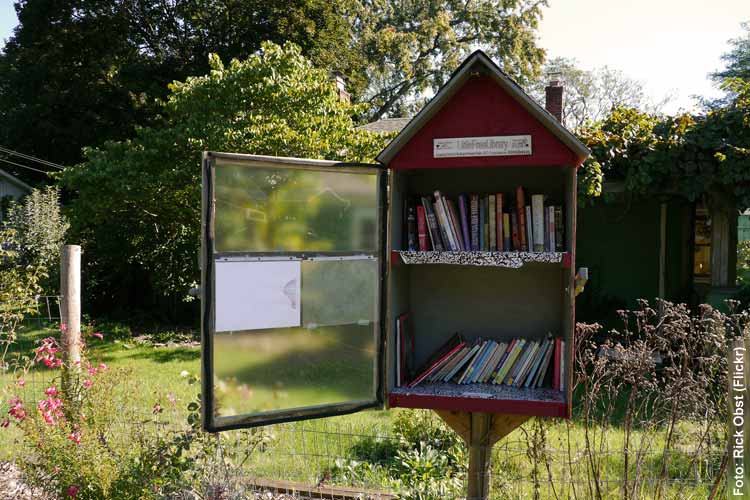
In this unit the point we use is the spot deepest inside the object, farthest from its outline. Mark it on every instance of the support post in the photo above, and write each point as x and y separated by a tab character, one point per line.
480	451
70	302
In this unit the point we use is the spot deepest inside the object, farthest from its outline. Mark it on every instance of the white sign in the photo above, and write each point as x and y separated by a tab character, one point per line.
500	145
257	295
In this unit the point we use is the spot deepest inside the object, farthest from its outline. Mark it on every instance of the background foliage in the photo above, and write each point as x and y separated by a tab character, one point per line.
141	238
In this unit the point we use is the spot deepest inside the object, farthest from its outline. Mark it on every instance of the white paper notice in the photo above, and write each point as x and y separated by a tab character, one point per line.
257	295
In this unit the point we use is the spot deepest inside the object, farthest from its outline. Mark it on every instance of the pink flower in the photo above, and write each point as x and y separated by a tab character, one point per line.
88	383
55	469
16	408
51	409
92	370
73	491
51	391
75	436
103	367
63	327
21	382
98	335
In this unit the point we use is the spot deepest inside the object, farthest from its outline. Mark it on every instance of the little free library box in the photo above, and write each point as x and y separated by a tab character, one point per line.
441	277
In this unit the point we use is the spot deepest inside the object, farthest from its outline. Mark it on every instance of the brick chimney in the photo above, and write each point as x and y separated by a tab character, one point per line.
340	82
554	98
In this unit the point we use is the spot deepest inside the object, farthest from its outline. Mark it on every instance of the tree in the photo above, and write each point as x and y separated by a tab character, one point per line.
137	205
738	59
78	72
411	48
590	95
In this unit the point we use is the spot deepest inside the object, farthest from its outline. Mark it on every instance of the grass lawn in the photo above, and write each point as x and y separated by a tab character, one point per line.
305	451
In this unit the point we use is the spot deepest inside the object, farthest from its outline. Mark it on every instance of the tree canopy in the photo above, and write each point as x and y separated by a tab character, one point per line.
737	60
137	205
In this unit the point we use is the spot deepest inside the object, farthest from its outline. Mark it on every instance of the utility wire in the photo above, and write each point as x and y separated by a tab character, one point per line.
31	158
24	166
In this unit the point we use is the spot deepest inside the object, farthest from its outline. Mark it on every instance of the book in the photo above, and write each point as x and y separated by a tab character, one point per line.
482	363
436	365
524	371
537	215
551	228
441	208
509	361
443	225
432	225
472	365
520	363
529	230
562	365
537	363
424	243
542	375
506	233
521	211
456	223
466	359
411	225
515	238
434	360
482	219
486	225
449	364
499	221
463	212
492	223
475	222
559	241
497	353
505	355
546	229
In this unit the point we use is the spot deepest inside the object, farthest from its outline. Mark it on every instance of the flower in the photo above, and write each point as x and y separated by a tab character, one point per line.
72	491
47	353
16	408
88	382
21	382
184	373
51	409
63	327
75	436
103	367
51	391
98	335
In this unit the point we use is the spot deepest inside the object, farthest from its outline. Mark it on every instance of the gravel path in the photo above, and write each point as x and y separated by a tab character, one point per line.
12	486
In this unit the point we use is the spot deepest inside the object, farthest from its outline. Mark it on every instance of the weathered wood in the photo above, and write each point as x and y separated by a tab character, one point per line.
70	302
480	431
319	491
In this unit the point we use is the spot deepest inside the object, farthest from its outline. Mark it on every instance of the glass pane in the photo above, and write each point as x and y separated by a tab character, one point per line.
276	352
267	209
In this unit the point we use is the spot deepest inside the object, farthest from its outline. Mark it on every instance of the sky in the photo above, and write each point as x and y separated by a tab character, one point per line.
669	45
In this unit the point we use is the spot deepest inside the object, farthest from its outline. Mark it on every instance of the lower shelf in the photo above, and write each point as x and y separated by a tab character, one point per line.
486	398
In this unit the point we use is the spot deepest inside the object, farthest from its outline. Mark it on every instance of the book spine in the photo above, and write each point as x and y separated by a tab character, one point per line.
465	225
529	230
514	230
491	212
521	211
537	215
520	364
411	227
482	217
524	371
479	369
436	366
443	225
424	244
445	368
475	222
556	366
472	366
465	364
455	223
461	363
559	233
432	225
545	364
492	363
499	221
442	212
551	228
507	247
503	358
510	361
537	363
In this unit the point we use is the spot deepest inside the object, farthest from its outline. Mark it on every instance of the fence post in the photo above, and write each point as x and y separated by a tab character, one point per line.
70	302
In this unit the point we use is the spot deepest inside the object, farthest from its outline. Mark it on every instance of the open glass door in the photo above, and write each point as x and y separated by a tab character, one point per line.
292	289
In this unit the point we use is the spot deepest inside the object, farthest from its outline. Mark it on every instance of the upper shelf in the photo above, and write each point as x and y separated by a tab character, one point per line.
512	260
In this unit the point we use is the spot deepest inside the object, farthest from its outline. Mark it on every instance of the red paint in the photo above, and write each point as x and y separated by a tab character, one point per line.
482	108
498	406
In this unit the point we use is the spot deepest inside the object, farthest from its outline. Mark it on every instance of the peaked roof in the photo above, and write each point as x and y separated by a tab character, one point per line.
480	62
14	180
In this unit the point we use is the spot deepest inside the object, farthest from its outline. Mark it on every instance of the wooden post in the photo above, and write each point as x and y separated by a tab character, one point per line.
480	451
70	302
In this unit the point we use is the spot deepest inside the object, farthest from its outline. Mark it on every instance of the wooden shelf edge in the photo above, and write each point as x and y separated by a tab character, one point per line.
498	406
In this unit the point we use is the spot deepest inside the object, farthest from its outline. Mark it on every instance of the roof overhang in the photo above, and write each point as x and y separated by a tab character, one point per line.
15	180
479	62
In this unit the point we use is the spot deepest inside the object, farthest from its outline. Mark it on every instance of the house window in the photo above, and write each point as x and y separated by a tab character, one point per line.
702	256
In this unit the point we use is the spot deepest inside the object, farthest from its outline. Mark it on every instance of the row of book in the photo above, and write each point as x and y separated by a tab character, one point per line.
517	363
488	223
